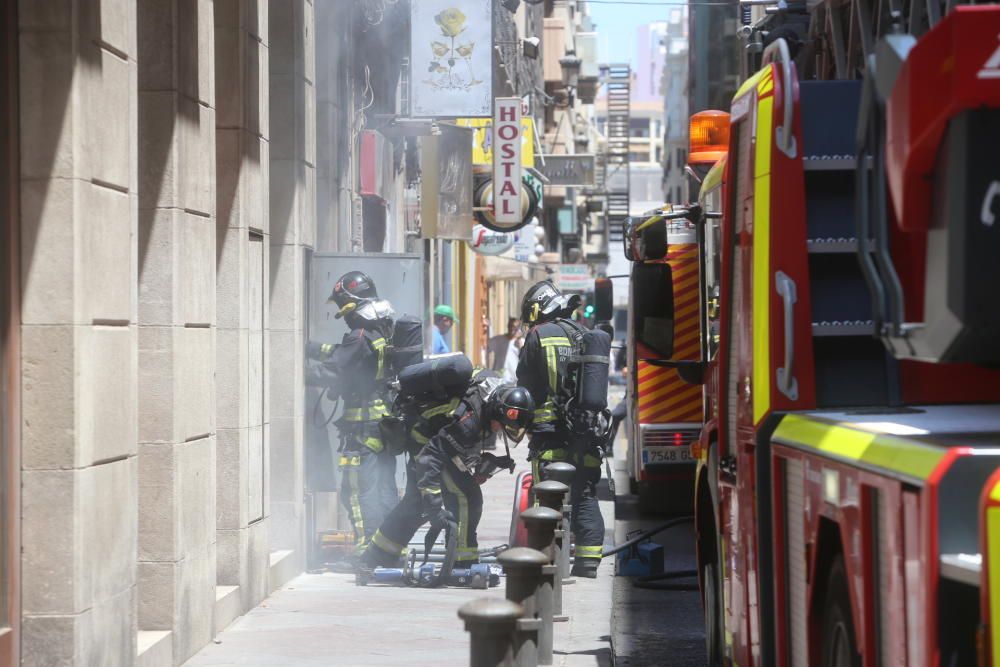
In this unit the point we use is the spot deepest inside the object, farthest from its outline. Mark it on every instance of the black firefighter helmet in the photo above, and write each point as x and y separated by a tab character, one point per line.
353	288
514	408
543	302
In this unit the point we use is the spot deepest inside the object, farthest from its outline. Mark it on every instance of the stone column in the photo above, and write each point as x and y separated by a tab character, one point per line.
177	256
292	225
242	253
78	261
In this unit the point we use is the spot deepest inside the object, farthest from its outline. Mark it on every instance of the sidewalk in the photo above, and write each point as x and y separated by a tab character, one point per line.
324	619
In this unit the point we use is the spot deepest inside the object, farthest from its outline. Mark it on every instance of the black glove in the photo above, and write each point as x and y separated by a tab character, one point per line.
435	511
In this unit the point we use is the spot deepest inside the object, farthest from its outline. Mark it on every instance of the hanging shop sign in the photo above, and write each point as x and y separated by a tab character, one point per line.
482	140
486	241
451	58
574	278
569	169
529	198
507	189
446	184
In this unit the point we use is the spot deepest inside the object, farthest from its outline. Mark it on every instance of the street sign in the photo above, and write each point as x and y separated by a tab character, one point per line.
507	161
574	278
569	169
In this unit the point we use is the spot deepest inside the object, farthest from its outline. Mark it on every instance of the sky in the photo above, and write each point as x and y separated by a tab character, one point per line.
617	25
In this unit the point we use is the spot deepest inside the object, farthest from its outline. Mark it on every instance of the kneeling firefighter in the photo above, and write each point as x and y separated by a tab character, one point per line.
356	370
448	412
565	367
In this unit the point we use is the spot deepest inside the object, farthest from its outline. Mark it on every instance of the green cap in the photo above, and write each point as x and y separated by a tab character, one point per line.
446	311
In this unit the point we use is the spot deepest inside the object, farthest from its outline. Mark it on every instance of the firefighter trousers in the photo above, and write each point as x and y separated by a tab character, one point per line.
587	522
461	495
368	488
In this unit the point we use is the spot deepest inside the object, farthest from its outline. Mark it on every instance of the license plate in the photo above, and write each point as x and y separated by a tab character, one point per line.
653	455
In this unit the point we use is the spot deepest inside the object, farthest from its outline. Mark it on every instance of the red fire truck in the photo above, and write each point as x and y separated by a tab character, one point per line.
665	412
847	499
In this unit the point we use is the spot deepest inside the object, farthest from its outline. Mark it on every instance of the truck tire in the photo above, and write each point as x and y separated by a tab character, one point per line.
838	641
712	595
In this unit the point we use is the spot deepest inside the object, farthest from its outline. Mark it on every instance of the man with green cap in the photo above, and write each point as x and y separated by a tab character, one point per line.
444	318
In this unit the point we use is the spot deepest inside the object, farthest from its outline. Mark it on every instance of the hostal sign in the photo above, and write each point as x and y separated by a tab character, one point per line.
507	162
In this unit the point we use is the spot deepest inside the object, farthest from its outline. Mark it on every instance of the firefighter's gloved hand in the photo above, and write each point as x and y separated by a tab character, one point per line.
435	510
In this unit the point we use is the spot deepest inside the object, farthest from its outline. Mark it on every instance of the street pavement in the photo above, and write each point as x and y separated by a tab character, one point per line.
324	619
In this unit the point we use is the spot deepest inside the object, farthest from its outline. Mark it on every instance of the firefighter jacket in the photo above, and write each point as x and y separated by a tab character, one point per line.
543	369
453	430
360	365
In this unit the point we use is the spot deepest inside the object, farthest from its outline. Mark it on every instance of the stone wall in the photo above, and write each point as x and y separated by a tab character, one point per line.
78	225
167	214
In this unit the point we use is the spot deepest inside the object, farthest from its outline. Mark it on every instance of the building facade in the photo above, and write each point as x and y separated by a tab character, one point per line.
172	171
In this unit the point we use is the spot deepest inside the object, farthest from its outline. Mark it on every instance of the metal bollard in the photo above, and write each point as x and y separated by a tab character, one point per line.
541	523
554	495
490	623
561	471
523	567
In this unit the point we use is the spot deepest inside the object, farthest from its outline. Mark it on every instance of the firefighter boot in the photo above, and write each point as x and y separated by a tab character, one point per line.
585	567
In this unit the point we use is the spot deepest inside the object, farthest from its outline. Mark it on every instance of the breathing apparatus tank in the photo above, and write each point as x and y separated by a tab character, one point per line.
407	343
592	372
444	376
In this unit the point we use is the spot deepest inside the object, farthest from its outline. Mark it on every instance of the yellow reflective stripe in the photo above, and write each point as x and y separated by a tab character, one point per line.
591	461
463	510
325	349
550	363
356	517
907	457
378	344
374	444
589	552
546	413
993	564
350	460
554	341
385	544
430	492
761	284
376	410
419	437
444	409
714	177
750	83
468	553
553	455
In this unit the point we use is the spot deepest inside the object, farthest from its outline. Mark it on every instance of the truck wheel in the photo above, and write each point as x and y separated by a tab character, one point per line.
839	640
713	614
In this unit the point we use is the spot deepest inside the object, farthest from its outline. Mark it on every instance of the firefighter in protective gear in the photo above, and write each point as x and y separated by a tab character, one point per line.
447	465
357	370
544	369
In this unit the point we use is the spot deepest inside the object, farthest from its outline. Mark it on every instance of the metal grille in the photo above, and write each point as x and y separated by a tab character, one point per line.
795	556
619	100
668	438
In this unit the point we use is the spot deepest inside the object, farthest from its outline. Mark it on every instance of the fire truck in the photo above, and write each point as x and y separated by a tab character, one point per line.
847	497
665	412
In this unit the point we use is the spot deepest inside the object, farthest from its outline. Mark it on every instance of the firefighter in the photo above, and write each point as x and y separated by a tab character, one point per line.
447	465
544	369
356	370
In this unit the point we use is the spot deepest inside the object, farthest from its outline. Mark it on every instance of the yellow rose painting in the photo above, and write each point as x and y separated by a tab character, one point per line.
451	58
451	55
452	22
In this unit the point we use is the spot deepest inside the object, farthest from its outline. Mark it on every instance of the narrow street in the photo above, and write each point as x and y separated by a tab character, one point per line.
324	619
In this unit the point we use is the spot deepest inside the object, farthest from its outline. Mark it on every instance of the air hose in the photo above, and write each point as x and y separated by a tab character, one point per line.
646	534
658	581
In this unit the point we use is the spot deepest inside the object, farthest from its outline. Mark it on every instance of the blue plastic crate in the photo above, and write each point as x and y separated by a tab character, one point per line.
641	560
